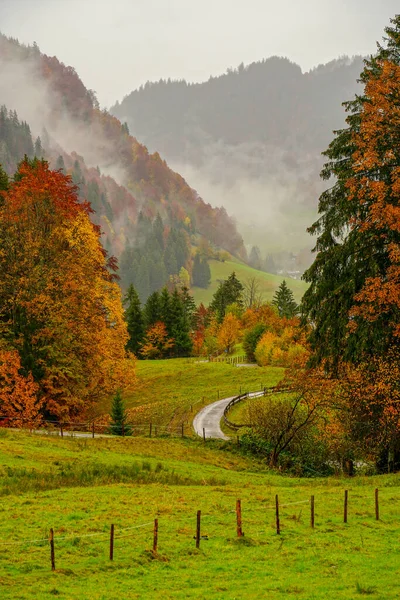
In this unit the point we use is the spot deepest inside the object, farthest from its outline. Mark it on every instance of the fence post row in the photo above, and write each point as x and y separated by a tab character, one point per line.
155	536
198	529
239	518
278	524
312	512
112	542
52	553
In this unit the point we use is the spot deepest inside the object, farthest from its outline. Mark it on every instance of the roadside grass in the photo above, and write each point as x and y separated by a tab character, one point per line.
335	560
268	283
171	392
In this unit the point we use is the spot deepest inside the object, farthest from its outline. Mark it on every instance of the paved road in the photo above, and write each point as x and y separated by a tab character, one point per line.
210	417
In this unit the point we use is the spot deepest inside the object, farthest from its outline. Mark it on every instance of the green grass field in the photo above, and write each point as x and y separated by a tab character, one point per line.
79	487
268	283
170	392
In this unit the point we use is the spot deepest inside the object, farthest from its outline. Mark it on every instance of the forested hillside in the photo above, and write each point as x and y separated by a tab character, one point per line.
269	102
251	140
49	113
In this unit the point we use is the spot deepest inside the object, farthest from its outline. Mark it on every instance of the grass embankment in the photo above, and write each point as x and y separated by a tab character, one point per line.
80	487
268	283
171	392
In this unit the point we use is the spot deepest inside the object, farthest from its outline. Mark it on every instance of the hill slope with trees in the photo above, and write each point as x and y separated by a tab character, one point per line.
251	140
48	112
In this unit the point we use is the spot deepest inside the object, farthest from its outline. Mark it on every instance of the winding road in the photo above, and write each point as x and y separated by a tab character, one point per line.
209	418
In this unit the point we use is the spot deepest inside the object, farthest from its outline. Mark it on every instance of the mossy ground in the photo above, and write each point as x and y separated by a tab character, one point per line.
80	487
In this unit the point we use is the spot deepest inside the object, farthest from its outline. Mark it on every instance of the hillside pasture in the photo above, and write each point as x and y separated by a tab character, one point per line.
268	283
79	488
171	392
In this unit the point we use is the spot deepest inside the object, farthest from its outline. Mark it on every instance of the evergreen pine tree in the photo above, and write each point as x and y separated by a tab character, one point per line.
152	310
60	164
228	292
134	320
119	419
180	326
205	273
158	230
354	239
255	258
284	301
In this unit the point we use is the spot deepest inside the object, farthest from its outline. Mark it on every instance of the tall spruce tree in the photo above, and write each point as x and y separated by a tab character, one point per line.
180	326
119	419
134	320
358	230
152	310
229	292
284	301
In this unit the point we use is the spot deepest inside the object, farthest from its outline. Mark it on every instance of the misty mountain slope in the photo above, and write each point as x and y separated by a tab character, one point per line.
53	100
267	102
250	139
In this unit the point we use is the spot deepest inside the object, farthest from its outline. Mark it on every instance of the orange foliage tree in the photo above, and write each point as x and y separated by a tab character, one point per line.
228	333
156	342
19	402
59	305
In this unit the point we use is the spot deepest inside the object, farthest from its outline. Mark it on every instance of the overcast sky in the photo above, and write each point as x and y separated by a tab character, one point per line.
116	46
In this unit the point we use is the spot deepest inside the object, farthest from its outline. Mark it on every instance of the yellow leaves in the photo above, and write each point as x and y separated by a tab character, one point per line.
283	350
65	308
228	333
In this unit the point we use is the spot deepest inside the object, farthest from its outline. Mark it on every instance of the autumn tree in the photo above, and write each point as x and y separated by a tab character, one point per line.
156	342
353	299
19	401
60	307
228	333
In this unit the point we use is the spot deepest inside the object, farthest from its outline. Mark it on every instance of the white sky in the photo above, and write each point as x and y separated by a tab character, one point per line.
116	46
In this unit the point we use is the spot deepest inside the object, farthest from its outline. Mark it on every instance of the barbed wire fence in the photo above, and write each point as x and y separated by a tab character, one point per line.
219	525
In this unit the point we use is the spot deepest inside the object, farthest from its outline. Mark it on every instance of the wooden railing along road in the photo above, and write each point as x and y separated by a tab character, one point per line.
265	392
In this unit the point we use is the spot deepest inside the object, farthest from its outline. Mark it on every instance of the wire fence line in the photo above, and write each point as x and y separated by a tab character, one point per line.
215	518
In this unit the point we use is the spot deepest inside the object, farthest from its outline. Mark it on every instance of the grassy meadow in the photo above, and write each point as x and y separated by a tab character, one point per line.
171	392
79	487
268	283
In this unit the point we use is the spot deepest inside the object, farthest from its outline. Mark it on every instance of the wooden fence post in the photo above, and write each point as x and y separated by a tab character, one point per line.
239	518
312	512
112	542
155	537
198	529
61	430
377	504
93	430
150	430
204	434
183	432
346	500
278	524
52	554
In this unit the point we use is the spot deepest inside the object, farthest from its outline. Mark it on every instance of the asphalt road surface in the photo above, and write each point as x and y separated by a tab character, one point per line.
210	417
